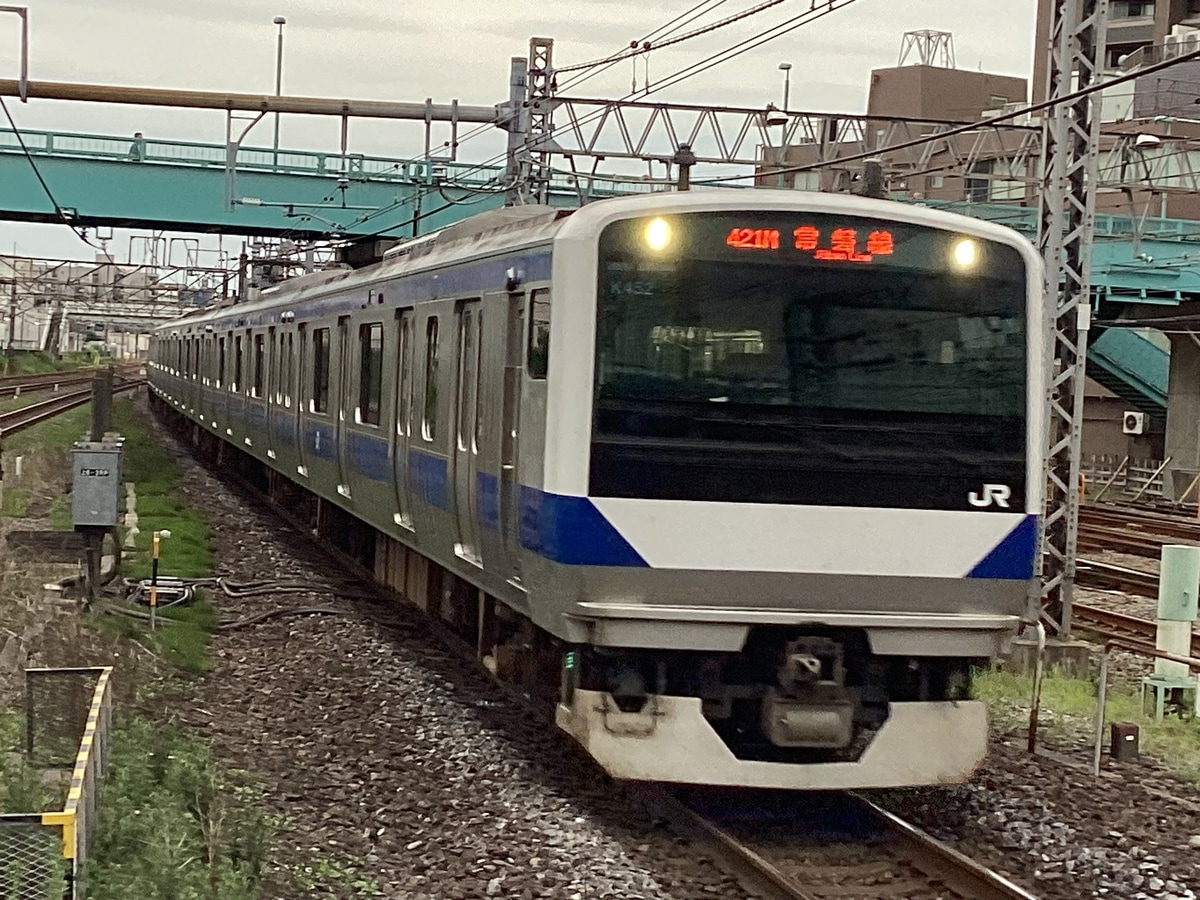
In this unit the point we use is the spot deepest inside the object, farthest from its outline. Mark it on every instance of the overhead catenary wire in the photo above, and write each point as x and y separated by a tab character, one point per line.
751	43
662	31
613	58
642	49
812	14
972	126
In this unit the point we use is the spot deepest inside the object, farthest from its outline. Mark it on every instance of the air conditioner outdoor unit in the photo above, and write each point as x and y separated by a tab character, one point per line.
1133	422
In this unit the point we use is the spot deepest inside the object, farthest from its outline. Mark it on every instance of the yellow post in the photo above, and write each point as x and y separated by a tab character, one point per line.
153	578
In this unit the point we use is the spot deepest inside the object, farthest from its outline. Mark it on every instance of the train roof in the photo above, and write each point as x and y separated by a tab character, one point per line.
513	228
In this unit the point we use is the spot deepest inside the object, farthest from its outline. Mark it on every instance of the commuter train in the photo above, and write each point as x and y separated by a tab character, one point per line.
744	482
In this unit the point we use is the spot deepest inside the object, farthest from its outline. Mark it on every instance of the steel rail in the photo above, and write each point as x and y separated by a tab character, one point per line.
26	416
756	874
1103	537
1112	624
939	862
1142	522
1093	573
44	384
11	385
961	874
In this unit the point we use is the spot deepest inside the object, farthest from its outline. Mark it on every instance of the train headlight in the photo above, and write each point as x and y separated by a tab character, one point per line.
657	235
966	253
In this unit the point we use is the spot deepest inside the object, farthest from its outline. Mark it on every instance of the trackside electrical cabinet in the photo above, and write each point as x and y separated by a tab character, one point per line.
96	483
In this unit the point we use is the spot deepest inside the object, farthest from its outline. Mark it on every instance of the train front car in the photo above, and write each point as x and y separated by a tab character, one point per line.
811	433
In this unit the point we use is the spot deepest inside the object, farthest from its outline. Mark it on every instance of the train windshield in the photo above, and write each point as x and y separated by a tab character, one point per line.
807	358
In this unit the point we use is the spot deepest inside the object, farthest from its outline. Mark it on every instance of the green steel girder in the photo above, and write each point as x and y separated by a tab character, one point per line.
191	198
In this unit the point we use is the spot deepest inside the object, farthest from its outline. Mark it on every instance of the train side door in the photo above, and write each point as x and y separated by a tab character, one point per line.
303	392
510	424
271	385
466	438
345	405
403	418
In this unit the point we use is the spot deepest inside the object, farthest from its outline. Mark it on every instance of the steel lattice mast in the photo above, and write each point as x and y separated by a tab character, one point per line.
1071	148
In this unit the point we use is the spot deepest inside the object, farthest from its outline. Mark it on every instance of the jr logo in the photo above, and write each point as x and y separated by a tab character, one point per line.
992	493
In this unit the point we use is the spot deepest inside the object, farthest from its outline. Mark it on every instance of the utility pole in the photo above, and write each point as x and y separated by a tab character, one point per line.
1071	146
279	22
530	125
12	321
517	126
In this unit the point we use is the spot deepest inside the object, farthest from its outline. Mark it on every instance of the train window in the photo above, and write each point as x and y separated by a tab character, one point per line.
539	333
287	370
236	383
277	365
370	376
259	363
466	374
187	357
221	363
429	417
478	381
404	377
273	368
320	389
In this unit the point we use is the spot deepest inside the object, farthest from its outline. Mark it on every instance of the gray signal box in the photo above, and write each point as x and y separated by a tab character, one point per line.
96	483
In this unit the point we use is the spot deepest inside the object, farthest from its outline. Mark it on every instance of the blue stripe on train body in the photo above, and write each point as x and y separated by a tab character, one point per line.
369	456
1013	558
428	477
318	440
571	530
487	500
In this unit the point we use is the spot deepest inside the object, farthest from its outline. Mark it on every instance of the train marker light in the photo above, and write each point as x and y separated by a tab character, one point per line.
966	253
658	234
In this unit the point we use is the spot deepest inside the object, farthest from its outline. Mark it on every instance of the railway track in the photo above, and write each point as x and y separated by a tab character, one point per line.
1136	531
805	847
1106	576
26	416
15	385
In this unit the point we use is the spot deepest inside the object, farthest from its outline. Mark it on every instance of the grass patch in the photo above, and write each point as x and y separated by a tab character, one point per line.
185	644
1068	711
174	823
25	362
33	874
61	431
188	552
59	513
22	789
16	502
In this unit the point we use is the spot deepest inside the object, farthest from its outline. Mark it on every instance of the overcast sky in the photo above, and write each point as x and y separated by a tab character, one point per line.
397	50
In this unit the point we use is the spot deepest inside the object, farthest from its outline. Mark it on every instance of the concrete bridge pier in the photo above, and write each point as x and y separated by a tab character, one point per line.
1183	415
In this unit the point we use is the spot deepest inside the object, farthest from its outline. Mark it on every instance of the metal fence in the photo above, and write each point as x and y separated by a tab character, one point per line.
1122	477
68	718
